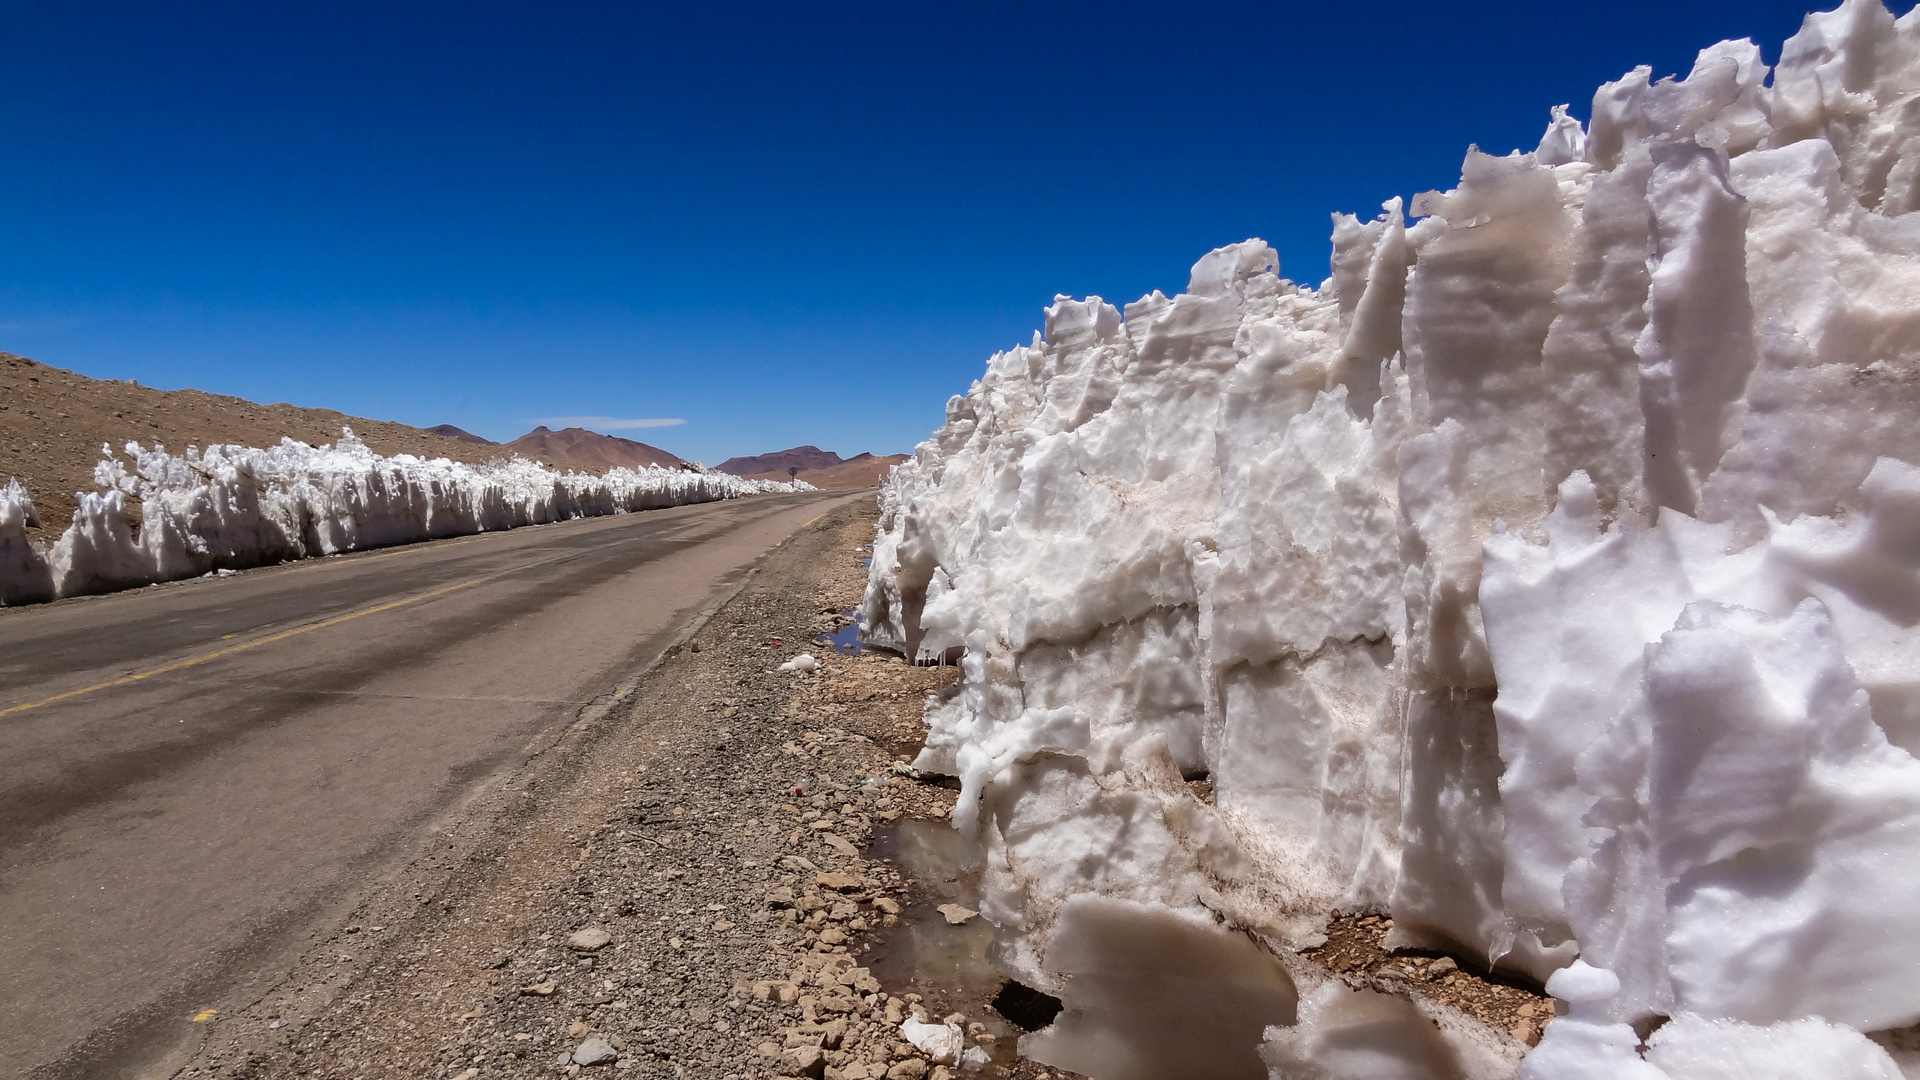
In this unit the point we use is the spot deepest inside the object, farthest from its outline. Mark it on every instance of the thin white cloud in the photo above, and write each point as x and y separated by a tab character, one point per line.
608	423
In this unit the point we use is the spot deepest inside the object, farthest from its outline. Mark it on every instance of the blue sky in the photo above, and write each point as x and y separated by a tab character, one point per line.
780	223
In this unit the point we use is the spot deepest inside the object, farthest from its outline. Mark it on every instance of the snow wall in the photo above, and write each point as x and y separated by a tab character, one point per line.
1547	579
230	507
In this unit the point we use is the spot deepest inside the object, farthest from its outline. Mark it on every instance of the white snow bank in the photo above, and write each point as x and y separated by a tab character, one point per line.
24	576
1548	578
233	506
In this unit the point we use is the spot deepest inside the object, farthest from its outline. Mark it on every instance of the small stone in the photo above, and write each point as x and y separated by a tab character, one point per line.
591	939
722	926
886	905
941	1072
540	989
1443	966
956	914
911	1069
832	936
839	882
840	844
577	1029
806	1061
468	1074
594	1051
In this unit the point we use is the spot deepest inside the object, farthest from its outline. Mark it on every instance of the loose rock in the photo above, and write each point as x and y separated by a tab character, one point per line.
594	1051
591	939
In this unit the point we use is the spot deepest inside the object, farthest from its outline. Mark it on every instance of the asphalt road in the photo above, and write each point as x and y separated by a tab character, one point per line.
194	776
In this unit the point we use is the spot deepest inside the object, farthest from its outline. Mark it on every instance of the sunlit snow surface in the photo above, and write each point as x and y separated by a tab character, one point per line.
1547	578
234	506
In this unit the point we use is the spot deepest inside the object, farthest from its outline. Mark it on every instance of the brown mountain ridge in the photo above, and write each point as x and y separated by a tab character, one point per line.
821	468
589	451
798	457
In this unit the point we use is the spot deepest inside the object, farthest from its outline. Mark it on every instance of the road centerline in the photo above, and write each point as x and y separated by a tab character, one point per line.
245	646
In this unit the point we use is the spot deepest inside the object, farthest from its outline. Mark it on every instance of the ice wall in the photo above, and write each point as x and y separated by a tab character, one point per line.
1547	578
229	507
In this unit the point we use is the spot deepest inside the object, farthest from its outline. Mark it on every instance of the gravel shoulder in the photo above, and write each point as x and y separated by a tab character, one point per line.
693	880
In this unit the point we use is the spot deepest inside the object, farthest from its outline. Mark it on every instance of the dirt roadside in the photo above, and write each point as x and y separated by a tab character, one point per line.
712	830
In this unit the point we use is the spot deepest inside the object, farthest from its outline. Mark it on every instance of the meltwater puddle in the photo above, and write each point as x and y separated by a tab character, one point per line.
845	640
945	964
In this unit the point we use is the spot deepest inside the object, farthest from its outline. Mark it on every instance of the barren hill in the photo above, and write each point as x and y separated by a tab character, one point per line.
589	451
799	457
460	433
861	470
53	422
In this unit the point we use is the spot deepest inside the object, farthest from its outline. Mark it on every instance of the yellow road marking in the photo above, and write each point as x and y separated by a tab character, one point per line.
365	555
205	1014
192	661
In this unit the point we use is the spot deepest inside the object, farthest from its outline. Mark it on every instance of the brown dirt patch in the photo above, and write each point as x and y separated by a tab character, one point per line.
1355	951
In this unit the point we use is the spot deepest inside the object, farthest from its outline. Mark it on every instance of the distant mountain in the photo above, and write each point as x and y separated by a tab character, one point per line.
452	432
589	451
859	471
800	457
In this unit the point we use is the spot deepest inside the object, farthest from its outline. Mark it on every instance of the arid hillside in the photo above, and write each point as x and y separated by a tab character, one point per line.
53	422
588	451
821	468
779	461
864	470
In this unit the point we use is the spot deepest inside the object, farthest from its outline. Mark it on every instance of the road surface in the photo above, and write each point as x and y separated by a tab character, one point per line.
197	775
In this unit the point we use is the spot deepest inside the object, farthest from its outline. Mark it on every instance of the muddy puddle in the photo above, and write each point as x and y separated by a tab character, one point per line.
845	640
946	964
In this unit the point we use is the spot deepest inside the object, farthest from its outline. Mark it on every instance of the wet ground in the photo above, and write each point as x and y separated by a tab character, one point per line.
926	953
